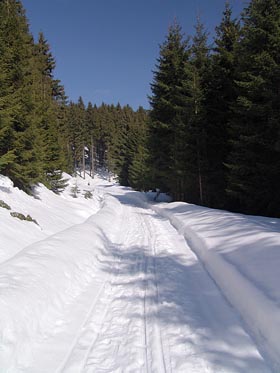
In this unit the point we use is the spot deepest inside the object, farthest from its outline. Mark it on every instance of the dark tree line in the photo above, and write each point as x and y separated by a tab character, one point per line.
108	137
215	113
211	136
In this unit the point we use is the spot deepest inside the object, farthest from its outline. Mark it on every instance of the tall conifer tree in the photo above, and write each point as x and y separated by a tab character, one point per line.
18	135
220	95
255	158
200	65
170	90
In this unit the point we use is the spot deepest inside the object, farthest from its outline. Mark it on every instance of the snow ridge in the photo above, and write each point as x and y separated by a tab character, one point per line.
260	314
46	276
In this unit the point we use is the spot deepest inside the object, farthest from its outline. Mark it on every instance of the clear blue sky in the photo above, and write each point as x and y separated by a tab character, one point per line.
105	50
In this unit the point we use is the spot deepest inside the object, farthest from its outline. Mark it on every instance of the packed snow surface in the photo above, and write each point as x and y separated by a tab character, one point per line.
115	283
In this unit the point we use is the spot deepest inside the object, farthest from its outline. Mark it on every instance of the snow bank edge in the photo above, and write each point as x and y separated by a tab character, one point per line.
38	282
261	315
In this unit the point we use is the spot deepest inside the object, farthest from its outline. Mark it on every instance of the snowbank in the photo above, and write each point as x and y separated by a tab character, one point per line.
53	213
37	283
242	255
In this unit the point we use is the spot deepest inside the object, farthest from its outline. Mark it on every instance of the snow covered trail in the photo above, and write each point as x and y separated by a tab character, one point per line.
121	292
156	310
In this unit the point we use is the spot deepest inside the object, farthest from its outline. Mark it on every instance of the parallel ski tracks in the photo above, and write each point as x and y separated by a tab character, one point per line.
152	349
159	352
126	243
66	364
83	343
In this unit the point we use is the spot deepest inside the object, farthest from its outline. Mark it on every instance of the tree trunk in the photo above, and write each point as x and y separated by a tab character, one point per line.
84	162
92	159
199	175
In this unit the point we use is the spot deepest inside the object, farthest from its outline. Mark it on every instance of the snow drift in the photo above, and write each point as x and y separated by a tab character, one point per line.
241	253
53	213
37	283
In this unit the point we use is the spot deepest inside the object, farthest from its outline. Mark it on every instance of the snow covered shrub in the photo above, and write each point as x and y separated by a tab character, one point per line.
56	183
4	205
75	191
29	218
88	195
23	217
17	215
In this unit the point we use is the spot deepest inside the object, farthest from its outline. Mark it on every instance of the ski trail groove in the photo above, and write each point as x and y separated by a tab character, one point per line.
86	336
156	333
96	333
106	341
65	366
102	353
145	314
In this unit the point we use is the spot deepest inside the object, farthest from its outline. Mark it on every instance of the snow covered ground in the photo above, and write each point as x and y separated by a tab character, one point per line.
114	283
53	213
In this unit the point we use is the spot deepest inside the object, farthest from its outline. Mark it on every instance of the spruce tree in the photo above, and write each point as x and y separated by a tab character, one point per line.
76	120
169	110
91	137
196	155
138	170
46	112
18	132
126	144
254	162
220	95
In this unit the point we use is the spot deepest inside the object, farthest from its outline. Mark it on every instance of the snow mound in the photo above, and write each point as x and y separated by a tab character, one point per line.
37	283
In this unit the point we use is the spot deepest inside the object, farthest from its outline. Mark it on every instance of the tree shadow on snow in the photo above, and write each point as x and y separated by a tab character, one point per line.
180	296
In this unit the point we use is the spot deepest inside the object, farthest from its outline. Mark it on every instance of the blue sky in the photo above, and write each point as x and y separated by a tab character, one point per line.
105	50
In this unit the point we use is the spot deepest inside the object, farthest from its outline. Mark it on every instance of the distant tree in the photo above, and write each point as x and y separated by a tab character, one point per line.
91	136
77	132
138	169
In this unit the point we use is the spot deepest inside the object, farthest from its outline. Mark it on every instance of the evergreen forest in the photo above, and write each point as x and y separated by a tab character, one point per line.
211	135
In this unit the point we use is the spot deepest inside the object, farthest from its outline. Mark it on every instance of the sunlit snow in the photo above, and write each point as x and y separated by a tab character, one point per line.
119	283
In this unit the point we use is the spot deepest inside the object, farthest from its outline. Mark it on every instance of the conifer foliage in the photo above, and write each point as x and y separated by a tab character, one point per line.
169	111
220	95
16	128
29	124
108	137
254	161
214	122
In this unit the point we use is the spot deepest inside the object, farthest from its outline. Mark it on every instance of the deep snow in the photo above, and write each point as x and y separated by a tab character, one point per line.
107	284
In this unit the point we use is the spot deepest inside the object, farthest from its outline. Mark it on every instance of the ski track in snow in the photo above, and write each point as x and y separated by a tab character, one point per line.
113	332
155	310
